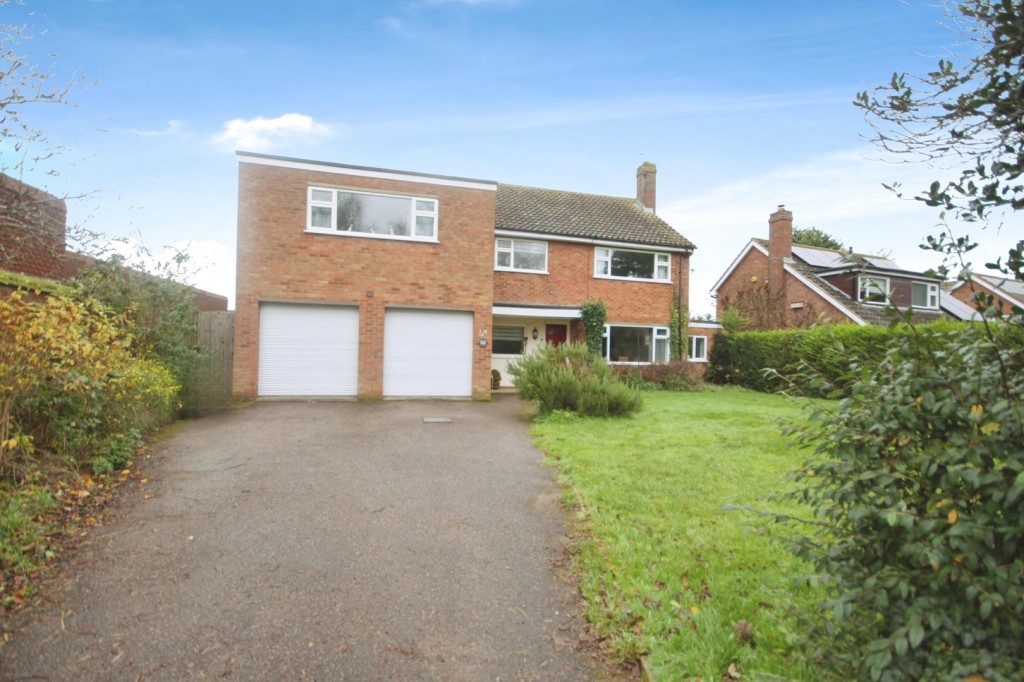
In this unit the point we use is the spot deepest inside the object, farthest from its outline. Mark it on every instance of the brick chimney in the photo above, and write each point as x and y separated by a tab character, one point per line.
780	247
646	182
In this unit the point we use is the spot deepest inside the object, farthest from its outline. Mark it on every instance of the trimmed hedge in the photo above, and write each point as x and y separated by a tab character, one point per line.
826	353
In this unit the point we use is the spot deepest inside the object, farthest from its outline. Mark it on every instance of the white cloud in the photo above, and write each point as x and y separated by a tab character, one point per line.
263	134
392	23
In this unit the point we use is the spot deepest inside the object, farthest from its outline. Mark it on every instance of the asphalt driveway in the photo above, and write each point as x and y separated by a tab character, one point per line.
326	541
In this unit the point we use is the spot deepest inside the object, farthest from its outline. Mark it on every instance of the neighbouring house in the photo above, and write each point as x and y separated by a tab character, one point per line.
366	282
33	239
1007	294
777	284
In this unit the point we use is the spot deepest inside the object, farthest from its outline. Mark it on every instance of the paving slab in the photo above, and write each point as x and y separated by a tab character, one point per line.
321	541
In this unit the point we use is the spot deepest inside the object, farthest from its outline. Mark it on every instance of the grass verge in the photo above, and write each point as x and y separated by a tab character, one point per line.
667	573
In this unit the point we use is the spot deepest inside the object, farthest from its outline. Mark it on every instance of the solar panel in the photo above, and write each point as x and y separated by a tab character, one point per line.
883	263
819	258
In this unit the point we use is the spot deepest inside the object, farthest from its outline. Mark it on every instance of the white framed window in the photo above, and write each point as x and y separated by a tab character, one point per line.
924	295
873	289
636	344
627	264
508	340
390	216
521	255
697	348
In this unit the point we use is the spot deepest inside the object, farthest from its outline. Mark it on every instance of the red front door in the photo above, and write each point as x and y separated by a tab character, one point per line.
556	334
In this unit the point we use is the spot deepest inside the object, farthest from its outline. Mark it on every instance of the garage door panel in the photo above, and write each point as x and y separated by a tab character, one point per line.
308	350
428	353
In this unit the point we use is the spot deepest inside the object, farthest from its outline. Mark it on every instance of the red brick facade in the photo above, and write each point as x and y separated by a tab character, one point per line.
571	281
32	230
278	260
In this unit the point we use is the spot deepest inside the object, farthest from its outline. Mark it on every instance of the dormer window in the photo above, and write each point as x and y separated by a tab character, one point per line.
924	295
873	290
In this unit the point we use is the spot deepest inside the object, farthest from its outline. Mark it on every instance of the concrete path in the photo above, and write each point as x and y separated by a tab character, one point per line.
321	541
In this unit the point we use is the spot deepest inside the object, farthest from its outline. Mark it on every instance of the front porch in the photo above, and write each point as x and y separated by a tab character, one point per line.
520	330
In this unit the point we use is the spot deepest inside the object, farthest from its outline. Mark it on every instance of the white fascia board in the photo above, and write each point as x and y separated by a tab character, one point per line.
362	172
980	279
704	325
827	296
526	311
545	237
735	263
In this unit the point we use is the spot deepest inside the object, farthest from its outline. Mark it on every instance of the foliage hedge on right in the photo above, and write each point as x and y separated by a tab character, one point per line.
807	359
917	483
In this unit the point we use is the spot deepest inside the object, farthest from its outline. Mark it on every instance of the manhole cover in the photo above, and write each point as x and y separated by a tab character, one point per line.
437	420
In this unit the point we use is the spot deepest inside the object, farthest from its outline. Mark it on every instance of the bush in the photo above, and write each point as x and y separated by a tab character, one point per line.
800	359
666	376
572	379
917	482
69	383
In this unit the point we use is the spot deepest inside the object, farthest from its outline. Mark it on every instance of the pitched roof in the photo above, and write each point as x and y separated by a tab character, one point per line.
586	216
1009	288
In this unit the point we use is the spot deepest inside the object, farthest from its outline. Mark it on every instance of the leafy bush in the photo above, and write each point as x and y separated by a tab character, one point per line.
797	358
594	314
917	481
572	379
69	382
666	376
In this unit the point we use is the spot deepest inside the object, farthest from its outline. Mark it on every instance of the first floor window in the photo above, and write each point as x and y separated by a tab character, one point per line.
698	348
636	344
924	295
386	215
508	340
519	254
631	264
873	289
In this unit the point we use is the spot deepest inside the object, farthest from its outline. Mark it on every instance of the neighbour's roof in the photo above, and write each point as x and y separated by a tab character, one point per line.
1010	287
586	216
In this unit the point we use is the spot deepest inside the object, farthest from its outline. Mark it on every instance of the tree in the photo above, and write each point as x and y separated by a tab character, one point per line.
968	112
812	236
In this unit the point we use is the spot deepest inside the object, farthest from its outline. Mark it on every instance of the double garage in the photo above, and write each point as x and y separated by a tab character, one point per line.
313	351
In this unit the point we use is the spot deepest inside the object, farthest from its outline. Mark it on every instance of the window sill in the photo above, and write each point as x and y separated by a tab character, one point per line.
521	272
634	279
372	235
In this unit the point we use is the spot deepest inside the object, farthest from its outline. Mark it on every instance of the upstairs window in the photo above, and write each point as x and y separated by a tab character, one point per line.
924	295
873	289
625	264
380	215
522	255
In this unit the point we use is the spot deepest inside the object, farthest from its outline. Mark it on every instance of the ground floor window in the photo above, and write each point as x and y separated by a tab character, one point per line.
636	344
508	340
698	349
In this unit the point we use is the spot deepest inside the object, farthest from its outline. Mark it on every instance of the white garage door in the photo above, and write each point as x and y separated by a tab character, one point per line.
308	350
428	353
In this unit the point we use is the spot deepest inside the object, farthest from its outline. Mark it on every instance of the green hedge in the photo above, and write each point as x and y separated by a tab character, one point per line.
801	357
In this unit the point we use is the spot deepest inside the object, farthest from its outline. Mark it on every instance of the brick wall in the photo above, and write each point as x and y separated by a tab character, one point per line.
32	230
571	281
279	261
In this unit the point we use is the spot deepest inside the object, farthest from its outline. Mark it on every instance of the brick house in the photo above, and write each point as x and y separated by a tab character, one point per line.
779	285
365	282
1007	294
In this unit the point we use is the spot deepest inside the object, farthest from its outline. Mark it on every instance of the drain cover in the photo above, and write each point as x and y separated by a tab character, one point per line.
437	420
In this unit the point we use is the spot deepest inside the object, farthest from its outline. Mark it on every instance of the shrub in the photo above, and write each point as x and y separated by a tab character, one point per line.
69	382
572	379
594	314
917	482
666	376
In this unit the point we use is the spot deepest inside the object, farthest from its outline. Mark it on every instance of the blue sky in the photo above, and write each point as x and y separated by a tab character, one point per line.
742	105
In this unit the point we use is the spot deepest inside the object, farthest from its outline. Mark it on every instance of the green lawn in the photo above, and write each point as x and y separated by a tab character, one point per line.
665	570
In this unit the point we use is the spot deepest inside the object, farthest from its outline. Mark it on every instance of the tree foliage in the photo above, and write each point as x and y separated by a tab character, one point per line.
969	110
812	236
